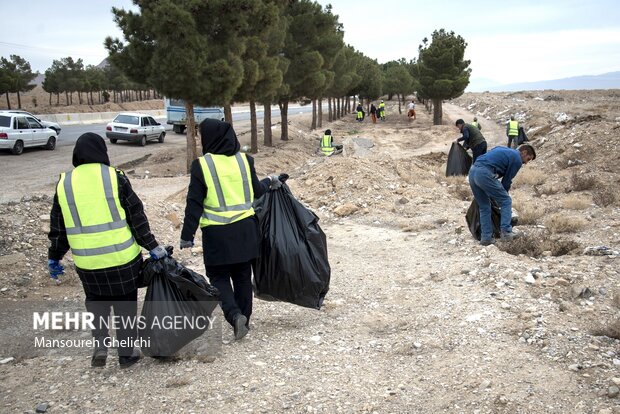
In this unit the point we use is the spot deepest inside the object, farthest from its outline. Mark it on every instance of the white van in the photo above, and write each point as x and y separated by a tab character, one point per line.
176	116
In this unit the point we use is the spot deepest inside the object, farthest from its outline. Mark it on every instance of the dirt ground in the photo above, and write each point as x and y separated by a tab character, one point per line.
419	317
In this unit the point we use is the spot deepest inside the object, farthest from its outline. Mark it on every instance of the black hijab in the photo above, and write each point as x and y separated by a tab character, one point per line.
218	137
90	148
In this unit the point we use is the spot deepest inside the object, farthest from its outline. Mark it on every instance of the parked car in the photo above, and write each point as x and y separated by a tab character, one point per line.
48	124
133	126
19	131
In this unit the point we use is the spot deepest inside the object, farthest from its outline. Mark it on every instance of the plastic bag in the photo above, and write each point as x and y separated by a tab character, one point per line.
292	265
459	161
521	138
175	293
473	219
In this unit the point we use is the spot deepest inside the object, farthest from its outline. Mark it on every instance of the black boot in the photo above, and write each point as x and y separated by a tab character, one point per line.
240	326
127	361
100	354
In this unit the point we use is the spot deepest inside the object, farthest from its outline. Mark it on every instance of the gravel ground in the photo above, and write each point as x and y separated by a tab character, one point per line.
419	317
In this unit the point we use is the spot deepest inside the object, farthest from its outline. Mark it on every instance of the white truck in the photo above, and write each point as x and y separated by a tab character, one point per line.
177	117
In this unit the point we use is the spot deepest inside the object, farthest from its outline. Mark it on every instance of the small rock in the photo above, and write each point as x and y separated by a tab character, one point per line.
529	279
613	391
485	384
346	209
403	200
41	408
574	367
417	345
616	381
4	289
6	360
174	219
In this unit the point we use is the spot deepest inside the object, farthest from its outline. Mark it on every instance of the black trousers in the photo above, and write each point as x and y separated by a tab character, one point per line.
238	297
125	309
478	150
512	139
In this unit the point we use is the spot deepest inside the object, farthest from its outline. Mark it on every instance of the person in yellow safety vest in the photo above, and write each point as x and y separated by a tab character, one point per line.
327	144
476	124
382	110
512	131
97	215
223	185
360	112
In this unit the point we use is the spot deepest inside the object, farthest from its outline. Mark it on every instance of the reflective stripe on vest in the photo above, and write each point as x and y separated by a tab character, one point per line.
513	128
95	222
229	189
326	145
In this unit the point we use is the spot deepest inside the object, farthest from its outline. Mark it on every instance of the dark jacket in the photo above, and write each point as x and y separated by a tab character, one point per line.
471	136
237	242
120	280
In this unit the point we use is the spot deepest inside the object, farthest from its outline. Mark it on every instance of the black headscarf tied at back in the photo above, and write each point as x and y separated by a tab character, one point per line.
90	148
218	137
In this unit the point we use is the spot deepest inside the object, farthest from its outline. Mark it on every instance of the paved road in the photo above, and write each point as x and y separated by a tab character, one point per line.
37	170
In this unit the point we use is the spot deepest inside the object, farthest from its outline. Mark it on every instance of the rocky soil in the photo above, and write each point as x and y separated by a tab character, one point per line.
419	318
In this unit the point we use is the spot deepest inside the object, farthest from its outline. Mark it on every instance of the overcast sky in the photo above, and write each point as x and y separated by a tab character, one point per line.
520	41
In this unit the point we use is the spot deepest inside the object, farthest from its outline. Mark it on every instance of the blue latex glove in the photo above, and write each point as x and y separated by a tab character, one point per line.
184	244
158	253
55	269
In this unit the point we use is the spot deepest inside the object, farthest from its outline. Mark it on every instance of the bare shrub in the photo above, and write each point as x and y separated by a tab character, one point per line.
530	176
459	187
574	202
536	244
582	182
560	223
604	197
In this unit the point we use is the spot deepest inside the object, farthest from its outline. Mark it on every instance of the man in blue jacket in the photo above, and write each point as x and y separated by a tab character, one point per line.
504	163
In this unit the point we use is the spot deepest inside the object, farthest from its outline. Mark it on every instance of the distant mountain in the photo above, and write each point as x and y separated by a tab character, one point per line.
609	80
481	84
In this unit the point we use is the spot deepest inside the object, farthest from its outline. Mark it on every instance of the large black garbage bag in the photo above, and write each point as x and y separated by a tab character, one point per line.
177	295
459	161
293	265
473	219
522	138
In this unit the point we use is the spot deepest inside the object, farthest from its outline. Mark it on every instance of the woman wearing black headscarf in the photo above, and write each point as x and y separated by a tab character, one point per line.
223	185
99	217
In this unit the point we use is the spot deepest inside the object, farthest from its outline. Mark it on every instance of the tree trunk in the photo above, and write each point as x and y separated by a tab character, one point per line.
284	117
190	135
313	124
8	101
19	101
57	98
253	128
228	114
338	108
267	140
437	113
329	110
50	99
400	111
320	114
67	98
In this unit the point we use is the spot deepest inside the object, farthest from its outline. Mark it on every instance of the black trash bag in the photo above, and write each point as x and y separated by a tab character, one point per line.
459	161
174	291
521	138
292	265
473	219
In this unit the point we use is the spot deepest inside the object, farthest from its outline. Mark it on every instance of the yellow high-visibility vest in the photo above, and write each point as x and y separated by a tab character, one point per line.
513	128
229	189
326	145
95	221
474	123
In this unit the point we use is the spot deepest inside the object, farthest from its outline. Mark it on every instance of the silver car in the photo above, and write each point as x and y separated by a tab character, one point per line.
134	126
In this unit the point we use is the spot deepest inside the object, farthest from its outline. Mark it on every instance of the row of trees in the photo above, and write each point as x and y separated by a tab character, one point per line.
67	76
270	51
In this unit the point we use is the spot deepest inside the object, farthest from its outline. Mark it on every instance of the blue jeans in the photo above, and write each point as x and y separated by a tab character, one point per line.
485	186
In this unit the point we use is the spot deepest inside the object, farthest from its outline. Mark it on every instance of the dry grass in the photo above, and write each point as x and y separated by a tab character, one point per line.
529	213
575	202
530	176
548	189
560	223
582	182
459	187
